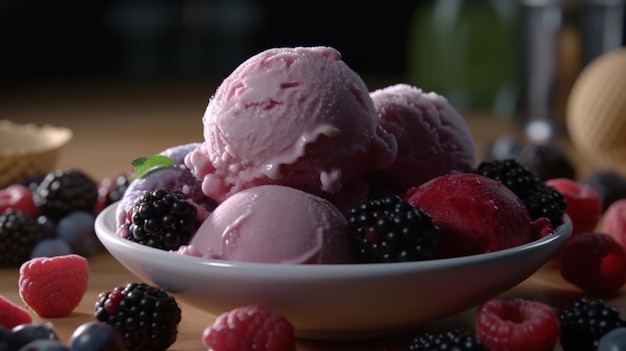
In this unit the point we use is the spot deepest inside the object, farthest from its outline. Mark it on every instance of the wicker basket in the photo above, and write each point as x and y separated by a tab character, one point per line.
27	150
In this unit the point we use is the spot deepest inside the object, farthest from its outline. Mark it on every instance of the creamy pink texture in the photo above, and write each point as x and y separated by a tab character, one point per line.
290	116
274	224
433	138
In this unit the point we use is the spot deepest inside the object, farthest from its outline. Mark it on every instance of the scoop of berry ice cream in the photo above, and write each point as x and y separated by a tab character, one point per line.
433	138
475	214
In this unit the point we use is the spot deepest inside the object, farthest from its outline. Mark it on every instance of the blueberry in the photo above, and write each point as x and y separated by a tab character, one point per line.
615	340
25	333
44	345
50	248
96	336
77	229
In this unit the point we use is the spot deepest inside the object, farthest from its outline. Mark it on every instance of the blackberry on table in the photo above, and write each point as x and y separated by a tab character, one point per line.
389	229
163	220
146	316
452	340
19	234
609	184
540	199
63	191
585	321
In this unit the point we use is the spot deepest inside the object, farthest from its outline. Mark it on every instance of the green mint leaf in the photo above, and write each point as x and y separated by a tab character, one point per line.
146	165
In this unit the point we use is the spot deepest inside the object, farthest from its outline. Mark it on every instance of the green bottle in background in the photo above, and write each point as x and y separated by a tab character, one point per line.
468	51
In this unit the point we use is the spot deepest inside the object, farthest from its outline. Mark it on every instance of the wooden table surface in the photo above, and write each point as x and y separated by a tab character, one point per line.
114	123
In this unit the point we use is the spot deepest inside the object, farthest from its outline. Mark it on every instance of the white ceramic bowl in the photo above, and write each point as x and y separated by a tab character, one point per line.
335	301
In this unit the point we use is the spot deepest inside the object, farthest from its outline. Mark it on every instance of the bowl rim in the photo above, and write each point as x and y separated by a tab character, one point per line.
57	136
107	235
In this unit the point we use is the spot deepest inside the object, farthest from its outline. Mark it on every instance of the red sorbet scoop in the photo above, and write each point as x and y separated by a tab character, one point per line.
475	214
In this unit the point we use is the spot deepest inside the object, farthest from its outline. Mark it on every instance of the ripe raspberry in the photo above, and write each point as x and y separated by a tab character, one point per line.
258	328
517	324
146	316
594	262
12	315
452	340
614	221
584	205
585	321
19	197
389	229
53	286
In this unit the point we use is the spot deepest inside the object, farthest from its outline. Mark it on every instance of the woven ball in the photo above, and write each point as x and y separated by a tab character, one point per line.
596	111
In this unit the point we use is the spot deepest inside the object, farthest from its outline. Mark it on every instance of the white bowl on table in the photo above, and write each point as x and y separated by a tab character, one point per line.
335	301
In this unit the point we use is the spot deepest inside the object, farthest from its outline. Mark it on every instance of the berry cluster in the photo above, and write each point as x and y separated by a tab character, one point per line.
146	316
390	229
91	335
50	215
515	324
163	219
540	199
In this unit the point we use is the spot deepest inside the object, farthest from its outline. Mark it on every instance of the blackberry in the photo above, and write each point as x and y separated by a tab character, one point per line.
452	340
19	234
540	199
547	202
610	185
65	190
163	220
585	321
512	174
146	316
389	229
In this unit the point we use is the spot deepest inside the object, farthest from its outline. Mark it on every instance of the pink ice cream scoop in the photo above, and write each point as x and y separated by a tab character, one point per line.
298	117
274	224
475	214
433	138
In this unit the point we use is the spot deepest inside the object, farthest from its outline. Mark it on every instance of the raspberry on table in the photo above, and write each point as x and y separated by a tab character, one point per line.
258	328
584	205
614	221
457	339
64	191
163	219
517	324
147	317
53	286
594	262
19	234
585	321
19	197
12	315
390	229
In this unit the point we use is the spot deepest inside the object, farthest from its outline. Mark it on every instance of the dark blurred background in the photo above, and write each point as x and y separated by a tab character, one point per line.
188	39
470	51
